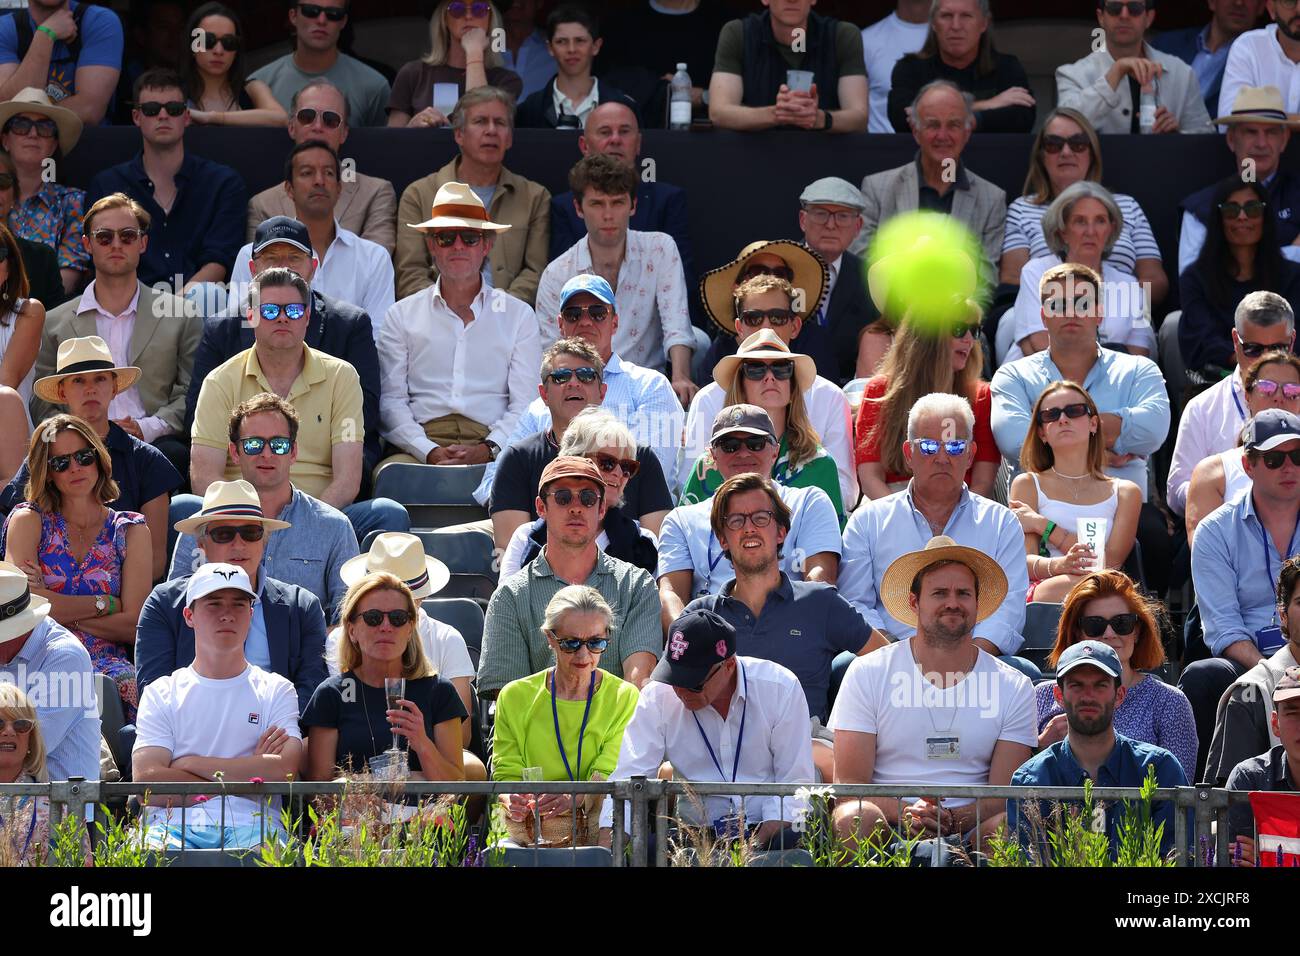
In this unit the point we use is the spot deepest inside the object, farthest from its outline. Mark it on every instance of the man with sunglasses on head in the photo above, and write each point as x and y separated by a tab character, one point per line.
71	49
143	326
1211	422
1107	85
571	499
316	31
196	205
366	205
287	632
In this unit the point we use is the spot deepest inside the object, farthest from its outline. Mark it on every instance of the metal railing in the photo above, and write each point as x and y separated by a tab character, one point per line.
1200	817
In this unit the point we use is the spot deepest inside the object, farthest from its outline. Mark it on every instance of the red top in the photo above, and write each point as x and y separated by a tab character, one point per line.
869	450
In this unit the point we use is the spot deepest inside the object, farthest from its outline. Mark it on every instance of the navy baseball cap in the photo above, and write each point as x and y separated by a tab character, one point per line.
1270	428
588	282
1093	653
282	229
697	641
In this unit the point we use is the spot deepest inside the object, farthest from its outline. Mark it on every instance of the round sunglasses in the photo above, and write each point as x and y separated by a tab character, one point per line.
564	497
1122	624
104	237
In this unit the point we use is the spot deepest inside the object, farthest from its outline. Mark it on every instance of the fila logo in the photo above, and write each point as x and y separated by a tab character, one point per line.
254	718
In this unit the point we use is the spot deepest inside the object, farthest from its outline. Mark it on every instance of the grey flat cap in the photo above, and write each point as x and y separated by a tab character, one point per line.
833	191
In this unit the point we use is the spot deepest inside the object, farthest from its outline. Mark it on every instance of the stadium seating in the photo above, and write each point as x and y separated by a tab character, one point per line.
469	555
435	496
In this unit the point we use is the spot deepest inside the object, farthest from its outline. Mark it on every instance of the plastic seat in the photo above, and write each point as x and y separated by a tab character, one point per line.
470	556
435	496
465	615
1041	620
583	856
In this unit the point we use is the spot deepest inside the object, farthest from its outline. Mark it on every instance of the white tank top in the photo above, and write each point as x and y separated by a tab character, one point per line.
1235	479
1067	514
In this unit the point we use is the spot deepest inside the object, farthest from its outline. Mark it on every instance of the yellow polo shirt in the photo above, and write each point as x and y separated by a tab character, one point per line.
326	395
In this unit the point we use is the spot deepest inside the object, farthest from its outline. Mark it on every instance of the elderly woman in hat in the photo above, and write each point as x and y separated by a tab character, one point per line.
402	555
93	563
32	131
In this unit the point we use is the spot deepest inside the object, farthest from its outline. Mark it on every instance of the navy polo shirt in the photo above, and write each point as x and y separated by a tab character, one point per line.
1125	767
141	471
803	626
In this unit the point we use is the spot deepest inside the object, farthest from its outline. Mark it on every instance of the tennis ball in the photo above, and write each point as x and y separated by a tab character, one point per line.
923	266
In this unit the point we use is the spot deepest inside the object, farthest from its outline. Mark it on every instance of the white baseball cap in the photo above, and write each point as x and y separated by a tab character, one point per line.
217	577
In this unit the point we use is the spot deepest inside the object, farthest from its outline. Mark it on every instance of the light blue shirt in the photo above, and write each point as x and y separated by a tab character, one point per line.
686	540
639	397
1235	576
888	528
54	670
1129	386
257	649
1208	66
534	63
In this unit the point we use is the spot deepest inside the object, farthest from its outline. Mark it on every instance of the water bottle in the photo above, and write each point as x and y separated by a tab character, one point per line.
1147	110
679	101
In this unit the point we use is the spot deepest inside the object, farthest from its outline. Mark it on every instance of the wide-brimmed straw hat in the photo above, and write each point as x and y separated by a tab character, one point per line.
20	609
32	100
79	356
456	207
1259	104
765	346
717	286
401	555
230	500
896	585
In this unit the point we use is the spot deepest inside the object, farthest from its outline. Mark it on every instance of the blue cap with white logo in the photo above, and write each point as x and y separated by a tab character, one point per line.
588	282
1094	653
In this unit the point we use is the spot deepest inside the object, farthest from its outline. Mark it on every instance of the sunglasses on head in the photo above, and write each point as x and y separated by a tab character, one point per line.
21	725
586	375
1273	459
1268	387
759	519
607	464
468	237
22	125
564	497
104	237
777	317
375	617
1135	8
1253	208
570	645
153	107
228	41
1122	624
1073	410
730	444
781	272
930	446
270	311
313	10
1078	143
782	370
226	533
331	120
598	312
460	10
279	445
85	457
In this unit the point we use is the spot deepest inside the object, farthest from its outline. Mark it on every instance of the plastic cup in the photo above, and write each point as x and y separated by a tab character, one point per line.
799	81
1093	531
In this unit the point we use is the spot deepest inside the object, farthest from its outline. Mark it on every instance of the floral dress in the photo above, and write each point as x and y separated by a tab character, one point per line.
99	573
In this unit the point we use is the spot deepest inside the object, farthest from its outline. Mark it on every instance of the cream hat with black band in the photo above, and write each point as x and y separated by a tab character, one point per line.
77	357
401	555
20	609
227	501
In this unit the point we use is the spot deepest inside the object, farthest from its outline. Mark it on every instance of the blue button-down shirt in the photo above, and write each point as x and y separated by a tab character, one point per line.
1235	574
534	63
1129	386
1208	65
890	527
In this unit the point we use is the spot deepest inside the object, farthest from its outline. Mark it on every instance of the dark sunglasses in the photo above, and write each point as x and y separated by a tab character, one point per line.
961	331
607	464
21	725
586	375
1268	387
85	457
1073	410
270	311
781	272
329	118
374	617
1273	459
1121	624
226	533
1256	349
930	446
153	108
1078	143
759	519
564	497
1135	8
1253	208
730	444
226	40
469	237
777	317
598	312
313	10
570	645
459	10
22	125
104	237
254	446
782	370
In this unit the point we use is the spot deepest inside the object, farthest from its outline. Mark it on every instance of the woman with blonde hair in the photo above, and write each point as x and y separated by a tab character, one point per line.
24	821
460	59
1064	479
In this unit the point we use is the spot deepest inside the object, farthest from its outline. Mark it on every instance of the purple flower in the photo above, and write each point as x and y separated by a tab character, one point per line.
201	798
256	780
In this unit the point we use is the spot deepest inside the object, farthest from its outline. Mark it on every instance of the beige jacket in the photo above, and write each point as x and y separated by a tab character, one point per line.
366	206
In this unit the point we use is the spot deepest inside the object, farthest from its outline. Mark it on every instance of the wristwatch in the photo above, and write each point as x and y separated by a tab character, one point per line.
826	126
493	449
101	605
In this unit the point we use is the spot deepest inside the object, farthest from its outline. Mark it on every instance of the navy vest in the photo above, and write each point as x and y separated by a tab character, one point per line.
765	68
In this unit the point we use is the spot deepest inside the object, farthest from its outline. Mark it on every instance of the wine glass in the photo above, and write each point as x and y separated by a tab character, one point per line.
394	691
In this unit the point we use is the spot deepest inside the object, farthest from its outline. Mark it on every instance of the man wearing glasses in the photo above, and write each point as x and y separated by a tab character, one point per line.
316	30
1266	57
366	205
458	358
571	499
1107	85
287	632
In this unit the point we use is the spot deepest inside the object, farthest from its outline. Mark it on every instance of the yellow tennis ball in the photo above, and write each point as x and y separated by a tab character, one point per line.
924	267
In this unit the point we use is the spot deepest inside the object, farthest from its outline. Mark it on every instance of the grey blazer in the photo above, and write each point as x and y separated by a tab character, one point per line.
982	207
162	347
366	206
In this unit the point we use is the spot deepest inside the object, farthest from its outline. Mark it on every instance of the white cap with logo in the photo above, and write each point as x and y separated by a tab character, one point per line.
217	577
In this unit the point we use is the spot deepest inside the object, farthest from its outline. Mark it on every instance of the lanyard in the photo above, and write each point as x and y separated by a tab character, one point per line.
740	737
713	563
582	731
1236	401
1268	551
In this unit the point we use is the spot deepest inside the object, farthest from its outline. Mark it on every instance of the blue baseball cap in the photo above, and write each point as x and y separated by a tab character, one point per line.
588	282
1093	653
1270	428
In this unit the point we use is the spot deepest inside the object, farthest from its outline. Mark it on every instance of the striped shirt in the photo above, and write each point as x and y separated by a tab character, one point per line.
1136	241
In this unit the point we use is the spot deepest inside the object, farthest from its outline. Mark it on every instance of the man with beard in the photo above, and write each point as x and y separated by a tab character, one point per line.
1089	688
1266	57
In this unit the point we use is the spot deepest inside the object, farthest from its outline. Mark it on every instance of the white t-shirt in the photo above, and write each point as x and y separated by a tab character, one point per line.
884	43
443	646
886	694
187	714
